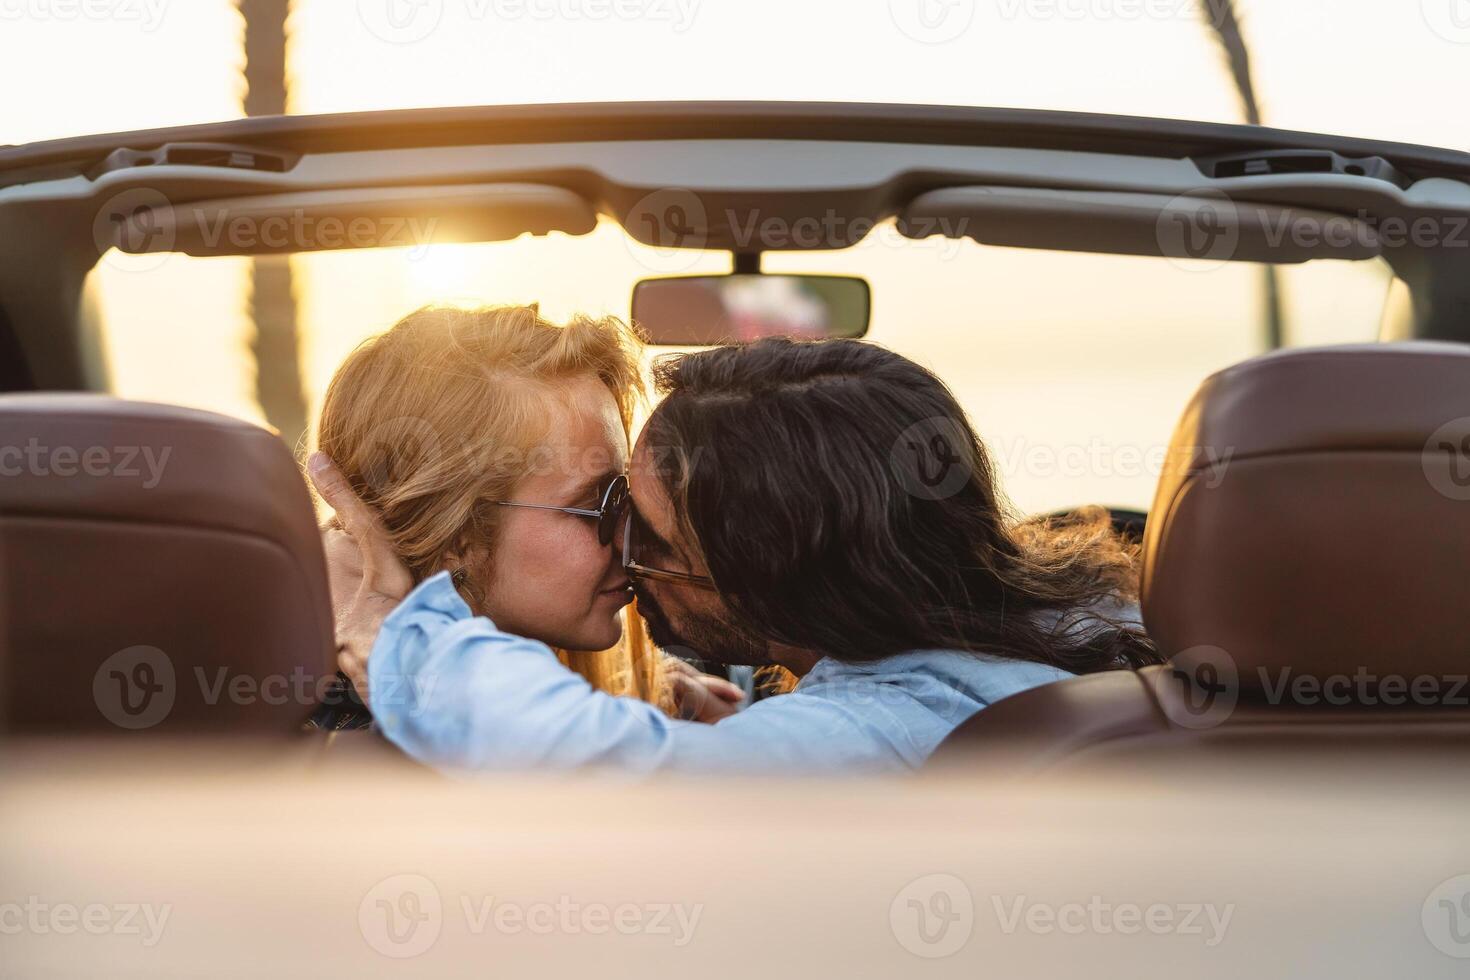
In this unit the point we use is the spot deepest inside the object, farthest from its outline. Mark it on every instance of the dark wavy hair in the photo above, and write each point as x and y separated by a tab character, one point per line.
843	504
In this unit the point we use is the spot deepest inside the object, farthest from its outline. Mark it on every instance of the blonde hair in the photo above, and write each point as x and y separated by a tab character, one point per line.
441	414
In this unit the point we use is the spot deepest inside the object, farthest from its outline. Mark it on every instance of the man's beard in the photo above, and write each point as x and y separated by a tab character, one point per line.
701	637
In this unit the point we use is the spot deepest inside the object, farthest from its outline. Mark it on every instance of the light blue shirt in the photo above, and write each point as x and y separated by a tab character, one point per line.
453	691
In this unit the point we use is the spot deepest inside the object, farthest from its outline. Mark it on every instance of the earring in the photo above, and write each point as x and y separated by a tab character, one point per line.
459	576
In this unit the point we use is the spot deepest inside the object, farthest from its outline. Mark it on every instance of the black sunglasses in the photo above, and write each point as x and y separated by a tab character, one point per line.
609	514
637	569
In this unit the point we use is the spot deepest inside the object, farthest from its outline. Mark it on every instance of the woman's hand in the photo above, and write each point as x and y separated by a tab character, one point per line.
367	578
701	697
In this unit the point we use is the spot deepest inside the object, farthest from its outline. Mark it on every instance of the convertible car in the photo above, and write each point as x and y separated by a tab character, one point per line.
1286	796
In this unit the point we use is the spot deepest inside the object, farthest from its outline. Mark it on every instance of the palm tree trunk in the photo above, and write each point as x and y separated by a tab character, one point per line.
276	346
1226	25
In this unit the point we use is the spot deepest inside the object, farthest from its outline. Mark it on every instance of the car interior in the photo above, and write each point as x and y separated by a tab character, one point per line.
693	177
1341	537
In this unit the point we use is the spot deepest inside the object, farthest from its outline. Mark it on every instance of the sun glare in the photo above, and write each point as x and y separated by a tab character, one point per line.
180	330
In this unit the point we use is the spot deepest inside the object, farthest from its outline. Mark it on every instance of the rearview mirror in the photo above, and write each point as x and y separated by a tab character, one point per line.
691	311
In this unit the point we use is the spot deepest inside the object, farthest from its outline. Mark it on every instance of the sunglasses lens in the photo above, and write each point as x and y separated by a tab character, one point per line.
614	510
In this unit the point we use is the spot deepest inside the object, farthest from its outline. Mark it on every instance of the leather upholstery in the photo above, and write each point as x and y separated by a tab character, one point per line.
160	571
1301	521
1306	568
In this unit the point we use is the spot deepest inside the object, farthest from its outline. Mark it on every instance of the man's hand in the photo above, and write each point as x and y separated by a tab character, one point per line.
367	578
701	697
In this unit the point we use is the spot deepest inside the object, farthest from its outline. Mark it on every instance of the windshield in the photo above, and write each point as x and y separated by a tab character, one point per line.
1074	367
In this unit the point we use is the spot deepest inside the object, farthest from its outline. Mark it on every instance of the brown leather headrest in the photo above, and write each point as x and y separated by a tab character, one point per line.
1313	520
161	572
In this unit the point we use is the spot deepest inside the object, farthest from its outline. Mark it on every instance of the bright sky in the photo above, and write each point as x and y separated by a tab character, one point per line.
1385	68
1065	353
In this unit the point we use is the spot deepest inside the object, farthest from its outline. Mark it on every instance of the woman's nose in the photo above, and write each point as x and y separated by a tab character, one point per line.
621	530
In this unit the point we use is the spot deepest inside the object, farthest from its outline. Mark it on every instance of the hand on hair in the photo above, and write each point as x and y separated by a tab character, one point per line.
701	697
367	578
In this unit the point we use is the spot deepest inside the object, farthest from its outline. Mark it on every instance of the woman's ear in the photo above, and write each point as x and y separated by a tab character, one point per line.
462	552
468	565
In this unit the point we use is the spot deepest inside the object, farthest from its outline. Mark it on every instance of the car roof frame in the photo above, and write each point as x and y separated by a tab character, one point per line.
44	306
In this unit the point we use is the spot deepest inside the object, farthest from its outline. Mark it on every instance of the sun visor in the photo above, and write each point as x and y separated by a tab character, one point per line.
1207	226
143	220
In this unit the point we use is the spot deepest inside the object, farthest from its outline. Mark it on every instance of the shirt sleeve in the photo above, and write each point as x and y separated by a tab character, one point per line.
455	692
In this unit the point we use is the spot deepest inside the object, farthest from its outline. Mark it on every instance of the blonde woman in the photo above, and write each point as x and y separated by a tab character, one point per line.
494	444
